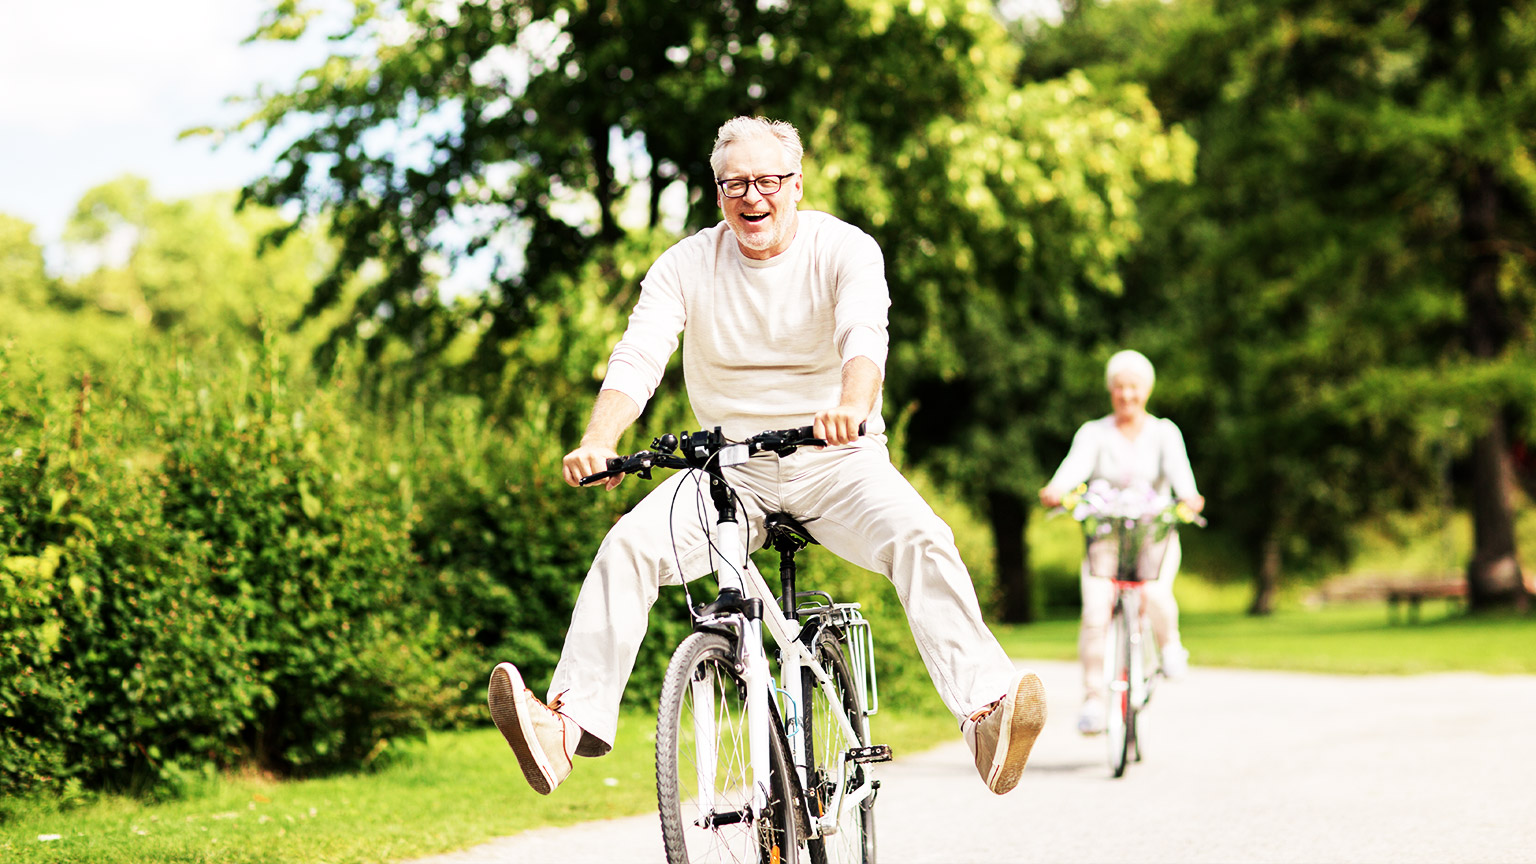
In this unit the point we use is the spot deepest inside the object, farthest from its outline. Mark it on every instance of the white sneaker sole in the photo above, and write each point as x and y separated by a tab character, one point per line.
505	696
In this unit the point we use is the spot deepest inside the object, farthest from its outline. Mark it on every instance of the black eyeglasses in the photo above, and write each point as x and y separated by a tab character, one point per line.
766	184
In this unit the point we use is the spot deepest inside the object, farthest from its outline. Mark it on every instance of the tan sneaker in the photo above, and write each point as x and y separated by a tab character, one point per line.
1002	734
543	738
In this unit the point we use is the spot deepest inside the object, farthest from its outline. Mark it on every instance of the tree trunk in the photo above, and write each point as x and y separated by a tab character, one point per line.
655	194
605	188
1009	515
1266	582
1493	574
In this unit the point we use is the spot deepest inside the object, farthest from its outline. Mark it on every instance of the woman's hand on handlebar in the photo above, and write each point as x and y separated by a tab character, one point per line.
840	425
1051	497
589	459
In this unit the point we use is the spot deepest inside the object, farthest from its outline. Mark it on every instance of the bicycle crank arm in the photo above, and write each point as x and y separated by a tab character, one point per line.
729	817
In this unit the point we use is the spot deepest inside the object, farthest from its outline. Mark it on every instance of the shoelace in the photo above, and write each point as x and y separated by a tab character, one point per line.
554	707
982	712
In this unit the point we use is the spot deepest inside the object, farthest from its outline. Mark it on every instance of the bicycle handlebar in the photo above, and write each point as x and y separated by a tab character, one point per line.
698	449
1181	515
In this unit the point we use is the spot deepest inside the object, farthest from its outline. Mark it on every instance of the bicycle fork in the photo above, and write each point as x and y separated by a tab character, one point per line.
754	662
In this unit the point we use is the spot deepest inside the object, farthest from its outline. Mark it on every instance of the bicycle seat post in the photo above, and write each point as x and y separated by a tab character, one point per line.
787	537
787	578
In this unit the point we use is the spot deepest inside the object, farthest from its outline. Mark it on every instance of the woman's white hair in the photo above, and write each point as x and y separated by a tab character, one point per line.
1133	362
744	128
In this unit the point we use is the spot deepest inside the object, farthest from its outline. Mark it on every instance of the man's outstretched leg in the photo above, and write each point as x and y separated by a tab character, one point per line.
543	738
874	518
607	625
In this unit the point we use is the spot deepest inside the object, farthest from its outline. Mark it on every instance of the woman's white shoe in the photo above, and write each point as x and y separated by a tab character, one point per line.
1090	720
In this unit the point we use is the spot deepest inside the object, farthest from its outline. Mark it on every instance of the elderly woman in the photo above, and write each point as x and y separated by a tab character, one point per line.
1127	449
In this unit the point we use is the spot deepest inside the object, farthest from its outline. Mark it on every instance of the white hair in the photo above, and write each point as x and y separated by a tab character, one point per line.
744	128
1133	362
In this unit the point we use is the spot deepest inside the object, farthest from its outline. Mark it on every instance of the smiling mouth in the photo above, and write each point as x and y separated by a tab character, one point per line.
753	217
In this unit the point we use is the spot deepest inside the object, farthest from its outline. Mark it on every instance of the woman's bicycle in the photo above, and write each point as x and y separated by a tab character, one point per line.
749	766
1137	524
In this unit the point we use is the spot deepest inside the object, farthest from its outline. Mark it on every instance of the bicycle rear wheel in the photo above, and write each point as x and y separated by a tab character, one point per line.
704	781
827	743
1121	709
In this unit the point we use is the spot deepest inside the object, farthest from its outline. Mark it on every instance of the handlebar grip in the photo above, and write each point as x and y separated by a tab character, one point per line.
810	431
615	466
601	475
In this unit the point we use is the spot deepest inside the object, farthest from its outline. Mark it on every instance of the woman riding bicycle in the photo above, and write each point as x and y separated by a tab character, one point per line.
1128	448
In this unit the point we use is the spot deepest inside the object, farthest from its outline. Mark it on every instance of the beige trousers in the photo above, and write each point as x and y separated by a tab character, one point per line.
852	500
1098	590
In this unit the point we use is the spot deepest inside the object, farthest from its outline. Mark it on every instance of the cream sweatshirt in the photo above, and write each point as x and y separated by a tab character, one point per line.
764	342
1156	458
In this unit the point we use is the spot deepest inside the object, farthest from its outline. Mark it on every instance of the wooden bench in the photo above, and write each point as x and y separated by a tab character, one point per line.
1413	594
1398	590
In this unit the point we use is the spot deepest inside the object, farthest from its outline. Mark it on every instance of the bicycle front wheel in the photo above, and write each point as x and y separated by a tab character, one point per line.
1121	709
704	781
834	724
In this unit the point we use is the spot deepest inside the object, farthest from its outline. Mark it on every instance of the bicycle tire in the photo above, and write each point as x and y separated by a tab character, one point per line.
826	742
699	831
1120	708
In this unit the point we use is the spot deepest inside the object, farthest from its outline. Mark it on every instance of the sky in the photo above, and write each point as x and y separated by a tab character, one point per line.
94	89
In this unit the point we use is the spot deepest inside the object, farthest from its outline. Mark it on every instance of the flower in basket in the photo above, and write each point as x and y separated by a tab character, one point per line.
1098	504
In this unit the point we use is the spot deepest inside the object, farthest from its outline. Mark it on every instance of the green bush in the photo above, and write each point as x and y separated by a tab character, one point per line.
199	577
103	634
310	564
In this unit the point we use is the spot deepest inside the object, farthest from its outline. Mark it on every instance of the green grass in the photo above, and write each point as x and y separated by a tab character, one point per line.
1357	638
454	791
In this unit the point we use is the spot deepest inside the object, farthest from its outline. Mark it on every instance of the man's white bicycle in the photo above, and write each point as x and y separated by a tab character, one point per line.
749	766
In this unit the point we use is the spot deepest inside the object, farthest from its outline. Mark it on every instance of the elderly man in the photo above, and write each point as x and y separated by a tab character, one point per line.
784	314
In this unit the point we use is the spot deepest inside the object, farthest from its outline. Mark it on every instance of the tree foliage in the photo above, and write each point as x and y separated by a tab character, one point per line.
1318	281
552	133
548	130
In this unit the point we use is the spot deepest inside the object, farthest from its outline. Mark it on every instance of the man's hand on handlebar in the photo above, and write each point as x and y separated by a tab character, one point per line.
589	459
840	425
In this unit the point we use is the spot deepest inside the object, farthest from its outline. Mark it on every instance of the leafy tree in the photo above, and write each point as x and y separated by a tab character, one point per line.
554	129
1005	269
23	281
192	267
1349	270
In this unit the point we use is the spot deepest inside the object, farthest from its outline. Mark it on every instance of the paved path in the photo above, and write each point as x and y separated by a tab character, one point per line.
1240	767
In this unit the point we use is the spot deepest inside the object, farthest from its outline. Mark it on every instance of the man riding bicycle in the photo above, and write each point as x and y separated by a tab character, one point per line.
784	314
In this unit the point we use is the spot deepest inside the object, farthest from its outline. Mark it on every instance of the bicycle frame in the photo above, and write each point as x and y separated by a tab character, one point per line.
1128	695
736	574
1128	599
743	605
1131	518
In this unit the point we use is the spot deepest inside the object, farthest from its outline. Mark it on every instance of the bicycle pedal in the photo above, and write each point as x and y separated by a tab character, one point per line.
872	753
